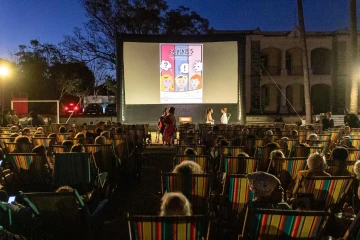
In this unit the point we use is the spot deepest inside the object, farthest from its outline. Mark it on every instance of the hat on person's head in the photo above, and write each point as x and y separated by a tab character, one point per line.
262	184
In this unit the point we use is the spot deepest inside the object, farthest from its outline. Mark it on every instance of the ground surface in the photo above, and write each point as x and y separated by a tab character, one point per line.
136	196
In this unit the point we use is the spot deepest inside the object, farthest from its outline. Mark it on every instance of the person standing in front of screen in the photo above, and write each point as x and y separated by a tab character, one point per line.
224	118
209	118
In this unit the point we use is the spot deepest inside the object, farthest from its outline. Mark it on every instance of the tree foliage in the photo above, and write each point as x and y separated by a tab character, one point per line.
45	73
107	18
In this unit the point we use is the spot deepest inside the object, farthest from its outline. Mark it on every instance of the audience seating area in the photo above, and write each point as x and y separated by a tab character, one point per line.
62	193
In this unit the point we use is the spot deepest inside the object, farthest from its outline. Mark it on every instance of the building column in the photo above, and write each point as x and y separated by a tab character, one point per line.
283	63
283	107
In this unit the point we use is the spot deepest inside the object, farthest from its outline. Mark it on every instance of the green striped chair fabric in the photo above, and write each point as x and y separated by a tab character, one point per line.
284	224
326	191
199	159
196	187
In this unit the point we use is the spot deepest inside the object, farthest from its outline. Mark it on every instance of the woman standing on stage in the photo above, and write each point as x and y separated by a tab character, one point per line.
224	117
170	128
209	118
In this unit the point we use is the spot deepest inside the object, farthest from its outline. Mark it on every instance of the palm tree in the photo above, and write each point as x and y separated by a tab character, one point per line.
305	62
354	90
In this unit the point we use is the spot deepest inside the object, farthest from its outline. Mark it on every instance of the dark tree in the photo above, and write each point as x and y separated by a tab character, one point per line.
107	18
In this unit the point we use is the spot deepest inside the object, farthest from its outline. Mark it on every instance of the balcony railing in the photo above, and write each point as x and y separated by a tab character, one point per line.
295	70
273	70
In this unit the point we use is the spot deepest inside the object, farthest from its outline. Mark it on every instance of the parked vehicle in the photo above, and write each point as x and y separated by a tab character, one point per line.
71	108
93	108
110	109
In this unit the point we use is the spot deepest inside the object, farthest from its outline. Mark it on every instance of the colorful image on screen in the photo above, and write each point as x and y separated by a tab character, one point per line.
181	73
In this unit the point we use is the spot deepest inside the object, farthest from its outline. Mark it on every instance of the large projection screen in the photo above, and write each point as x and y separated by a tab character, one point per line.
178	73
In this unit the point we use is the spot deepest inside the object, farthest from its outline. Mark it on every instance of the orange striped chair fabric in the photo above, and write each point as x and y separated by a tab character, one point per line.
199	159
326	191
284	224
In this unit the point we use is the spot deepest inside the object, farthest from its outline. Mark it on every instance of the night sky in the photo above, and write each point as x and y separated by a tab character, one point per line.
49	20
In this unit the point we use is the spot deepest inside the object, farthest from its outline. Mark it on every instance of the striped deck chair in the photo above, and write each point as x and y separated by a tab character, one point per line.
288	144
22	147
72	169
264	153
354	154
326	191
120	148
355	142
324	137
103	157
60	148
64	136
32	170
305	151
237	193
321	143
284	167
196	187
196	227
239	165
199	159
190	141
62	214
41	141
283	224
200	149
5	140
230	151
340	168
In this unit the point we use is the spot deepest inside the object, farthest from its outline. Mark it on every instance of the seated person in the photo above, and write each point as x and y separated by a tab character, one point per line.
267	190
14	129
190	152
316	164
79	148
105	134
68	144
347	130
62	129
294	134
312	139
22	143
346	142
100	140
188	167
269	136
26	132
175	204
80	137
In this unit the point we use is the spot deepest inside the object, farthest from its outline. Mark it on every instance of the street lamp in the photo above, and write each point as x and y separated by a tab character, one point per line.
4	72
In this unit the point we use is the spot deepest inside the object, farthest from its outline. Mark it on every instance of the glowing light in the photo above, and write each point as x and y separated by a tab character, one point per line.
4	71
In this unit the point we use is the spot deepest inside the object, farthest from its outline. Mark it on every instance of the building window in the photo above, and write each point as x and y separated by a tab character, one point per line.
265	98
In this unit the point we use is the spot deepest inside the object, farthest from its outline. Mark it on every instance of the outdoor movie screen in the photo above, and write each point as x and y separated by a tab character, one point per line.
161	73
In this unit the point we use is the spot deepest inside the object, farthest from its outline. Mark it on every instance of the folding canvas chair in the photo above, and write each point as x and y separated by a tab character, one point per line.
237	193
239	165
264	154
196	227
325	191
60	148
199	159
25	147
286	168
230	151
283	224
196	187
42	141
340	168
299	151
64	136
62	214
32	170
354	154
72	169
